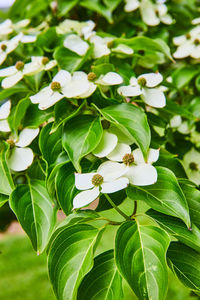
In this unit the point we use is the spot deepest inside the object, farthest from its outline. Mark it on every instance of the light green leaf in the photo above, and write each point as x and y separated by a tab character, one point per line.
18	88
176	228
132	121
65	6
19	113
96	5
6	182
164	196
81	136
35	117
103	282
3	199
182	76
185	263
35	212
112	4
141	259
70	258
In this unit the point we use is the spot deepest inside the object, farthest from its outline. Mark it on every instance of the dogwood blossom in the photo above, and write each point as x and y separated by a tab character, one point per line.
181	126
191	163
100	45
7	47
21	156
64	85
188	44
7	27
81	28
74	43
110	78
92	184
144	86
4	113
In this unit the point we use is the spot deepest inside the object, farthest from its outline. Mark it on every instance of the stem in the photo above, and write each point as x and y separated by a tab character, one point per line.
135	209
117	208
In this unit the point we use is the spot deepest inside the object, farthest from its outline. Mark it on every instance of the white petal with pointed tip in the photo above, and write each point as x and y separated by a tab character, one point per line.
129	91
20	159
106	145
89	92
45	93
184	50
118	153
154	97
11	80
138	156
111	170
152	79
26	136
63	77
32	68
179	40
86	197
153	155
3	56
112	78
131	5
8	71
4	126
84	181
175	121
122	48
5	110
114	186
141	175
74	43
195	52
148	13
48	102
50	65
27	38
133	81
166	19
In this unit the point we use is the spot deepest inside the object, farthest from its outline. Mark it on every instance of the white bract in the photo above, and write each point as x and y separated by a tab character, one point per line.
7	47
181	126
4	113
191	163
144	86
74	43
64	85
81	28
188	44
8	27
100	45
123	49
92	184
21	156
110	78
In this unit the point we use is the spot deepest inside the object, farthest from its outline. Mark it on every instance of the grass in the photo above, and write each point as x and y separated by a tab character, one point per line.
23	274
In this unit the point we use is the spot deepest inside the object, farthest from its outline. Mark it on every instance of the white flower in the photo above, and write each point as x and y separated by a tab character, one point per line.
92	184
4	113
196	21
188	44
106	145
110	78
38	64
7	47
123	49
100	45
81	28
191	163
8	27
64	85
131	5
181	126
22	156
144	86
74	43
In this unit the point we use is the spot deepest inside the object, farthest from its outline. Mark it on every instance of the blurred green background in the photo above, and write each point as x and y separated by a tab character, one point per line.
23	274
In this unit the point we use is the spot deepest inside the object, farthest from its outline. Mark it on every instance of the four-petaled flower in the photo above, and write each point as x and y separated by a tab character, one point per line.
7	47
145	85
4	113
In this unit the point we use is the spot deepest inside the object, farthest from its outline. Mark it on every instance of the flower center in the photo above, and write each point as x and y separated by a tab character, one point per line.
193	166
19	65
142	81
55	86
11	142
188	36
105	124
197	41
128	159
3	47
45	60
92	76
97	180
110	44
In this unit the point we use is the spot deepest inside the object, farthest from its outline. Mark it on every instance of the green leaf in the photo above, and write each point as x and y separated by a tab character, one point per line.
96	6
64	7
140	258
35	212
64	111
81	136
6	182
19	113
175	227
146	44
48	39
18	88
117	198
70	258
35	117
69	60
103	68
103	281
3	199
132	121
185	263
164	196
182	76
65	187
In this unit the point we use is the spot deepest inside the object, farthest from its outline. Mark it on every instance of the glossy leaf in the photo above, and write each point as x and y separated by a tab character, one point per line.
103	281
164	196
182	76
70	258
19	113
35	212
176	228
3	199
141	259
35	117
81	136
185	263
18	88
6	182
132	121
97	6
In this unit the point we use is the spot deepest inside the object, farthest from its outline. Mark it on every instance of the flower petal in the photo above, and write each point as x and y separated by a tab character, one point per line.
111	78
48	102
129	91
74	43
184	50
5	110
122	48
63	77
20	159
77	86
84	181
148	13
118	153
89	92
11	80
195	53
4	126
85	197
50	65
138	156
106	145
3	56
179	40
26	136
8	71
42	95
131	5
153	155
111	170
143	174
175	121
152	79
28	38
154	97
114	186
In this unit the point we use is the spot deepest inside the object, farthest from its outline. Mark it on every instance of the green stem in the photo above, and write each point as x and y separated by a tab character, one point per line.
135	209
117	208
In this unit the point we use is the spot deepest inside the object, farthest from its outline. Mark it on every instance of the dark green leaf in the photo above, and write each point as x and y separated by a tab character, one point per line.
6	182
95	5
19	113
18	88
182	76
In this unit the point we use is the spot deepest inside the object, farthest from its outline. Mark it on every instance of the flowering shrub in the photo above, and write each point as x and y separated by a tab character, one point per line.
100	105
